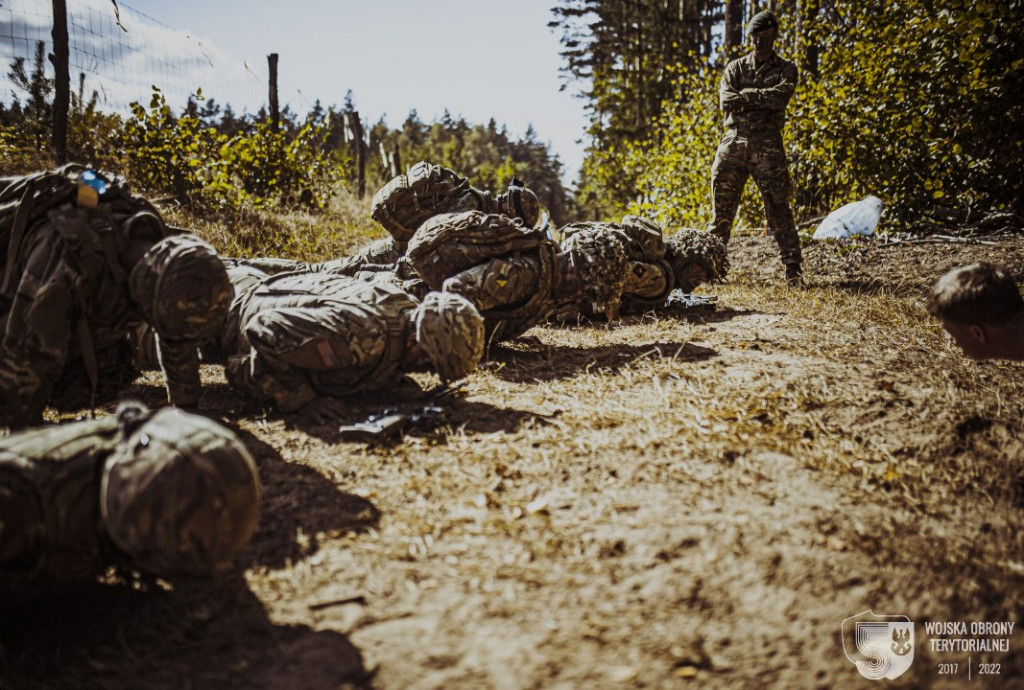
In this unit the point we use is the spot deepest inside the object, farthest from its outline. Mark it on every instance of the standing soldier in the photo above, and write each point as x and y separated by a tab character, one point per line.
167	493
753	94
82	262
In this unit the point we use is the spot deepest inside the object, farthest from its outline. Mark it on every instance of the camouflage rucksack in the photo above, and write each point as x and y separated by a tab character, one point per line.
642	237
408	200
452	242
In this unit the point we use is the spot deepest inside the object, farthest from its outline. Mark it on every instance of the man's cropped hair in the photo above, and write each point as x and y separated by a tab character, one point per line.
983	294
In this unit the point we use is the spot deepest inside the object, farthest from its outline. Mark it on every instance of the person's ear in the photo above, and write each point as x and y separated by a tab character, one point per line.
978	333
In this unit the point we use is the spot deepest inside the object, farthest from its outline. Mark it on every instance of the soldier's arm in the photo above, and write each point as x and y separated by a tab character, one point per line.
501	282
180	364
774	97
272	266
730	97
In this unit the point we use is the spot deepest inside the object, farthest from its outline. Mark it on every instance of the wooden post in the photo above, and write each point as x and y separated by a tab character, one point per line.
62	79
358	150
275	113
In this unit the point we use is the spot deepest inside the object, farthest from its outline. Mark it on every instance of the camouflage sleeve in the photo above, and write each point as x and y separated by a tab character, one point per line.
180	364
271	266
729	96
39	327
501	282
774	97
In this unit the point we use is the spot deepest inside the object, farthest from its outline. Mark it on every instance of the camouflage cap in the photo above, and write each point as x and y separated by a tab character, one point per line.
520	202
180	495
690	245
451	331
183	288
601	260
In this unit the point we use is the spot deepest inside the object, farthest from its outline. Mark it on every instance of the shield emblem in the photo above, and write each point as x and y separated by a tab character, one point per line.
880	646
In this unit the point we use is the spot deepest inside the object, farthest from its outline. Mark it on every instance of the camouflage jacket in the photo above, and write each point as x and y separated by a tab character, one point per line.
58	467
66	310
754	97
294	337
509	280
380	255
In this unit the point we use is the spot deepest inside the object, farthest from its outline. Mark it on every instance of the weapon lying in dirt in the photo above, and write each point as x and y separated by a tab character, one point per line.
678	298
389	426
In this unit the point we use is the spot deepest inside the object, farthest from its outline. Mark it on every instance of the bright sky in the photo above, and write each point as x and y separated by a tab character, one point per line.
477	58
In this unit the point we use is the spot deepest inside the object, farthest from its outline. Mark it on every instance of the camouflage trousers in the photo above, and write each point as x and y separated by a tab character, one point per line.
763	158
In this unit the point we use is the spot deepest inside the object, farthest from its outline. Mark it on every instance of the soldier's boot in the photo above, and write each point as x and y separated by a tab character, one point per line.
794	275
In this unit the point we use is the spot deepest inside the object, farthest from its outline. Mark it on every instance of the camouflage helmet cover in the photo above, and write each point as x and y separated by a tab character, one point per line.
183	288
601	260
180	495
521	202
691	245
451	331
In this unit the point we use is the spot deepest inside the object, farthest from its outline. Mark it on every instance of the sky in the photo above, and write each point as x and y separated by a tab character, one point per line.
479	59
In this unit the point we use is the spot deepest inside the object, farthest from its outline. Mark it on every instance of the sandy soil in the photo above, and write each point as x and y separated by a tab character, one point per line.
697	498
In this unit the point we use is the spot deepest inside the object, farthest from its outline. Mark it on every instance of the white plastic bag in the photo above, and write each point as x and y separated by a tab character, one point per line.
856	218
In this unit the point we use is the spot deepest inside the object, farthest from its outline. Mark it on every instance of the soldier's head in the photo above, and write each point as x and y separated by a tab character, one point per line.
763	29
520	202
450	331
182	288
696	257
180	495
981	310
598	261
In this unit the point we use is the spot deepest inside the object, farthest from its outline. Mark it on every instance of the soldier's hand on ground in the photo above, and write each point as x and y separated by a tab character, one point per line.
324	410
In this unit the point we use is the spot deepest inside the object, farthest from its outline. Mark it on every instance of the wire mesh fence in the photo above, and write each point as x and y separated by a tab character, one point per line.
123	53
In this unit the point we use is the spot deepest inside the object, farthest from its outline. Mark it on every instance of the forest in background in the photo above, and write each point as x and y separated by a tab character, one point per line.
912	101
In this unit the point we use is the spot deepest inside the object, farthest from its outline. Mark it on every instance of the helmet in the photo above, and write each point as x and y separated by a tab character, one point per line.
601	261
180	495
183	288
707	249
451	331
521	202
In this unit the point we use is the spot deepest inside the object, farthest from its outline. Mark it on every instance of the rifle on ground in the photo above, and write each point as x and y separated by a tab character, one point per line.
678	298
389	426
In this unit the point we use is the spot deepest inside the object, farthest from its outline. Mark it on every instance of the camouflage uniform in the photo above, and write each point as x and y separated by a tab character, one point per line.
753	98
379	255
426	190
647	279
294	337
166	493
504	269
78	273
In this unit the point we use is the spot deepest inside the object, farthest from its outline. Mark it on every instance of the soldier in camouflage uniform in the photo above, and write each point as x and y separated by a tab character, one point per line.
299	340
753	94
515	275
167	493
81	265
655	266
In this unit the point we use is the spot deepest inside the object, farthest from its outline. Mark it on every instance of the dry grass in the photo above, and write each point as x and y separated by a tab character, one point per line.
694	497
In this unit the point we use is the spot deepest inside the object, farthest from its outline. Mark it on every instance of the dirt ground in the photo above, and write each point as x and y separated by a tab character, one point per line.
697	498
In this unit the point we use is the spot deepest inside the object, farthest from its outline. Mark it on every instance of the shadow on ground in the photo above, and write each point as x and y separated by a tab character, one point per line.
198	635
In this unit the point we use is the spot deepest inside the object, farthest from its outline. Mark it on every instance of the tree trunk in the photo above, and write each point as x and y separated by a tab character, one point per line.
733	27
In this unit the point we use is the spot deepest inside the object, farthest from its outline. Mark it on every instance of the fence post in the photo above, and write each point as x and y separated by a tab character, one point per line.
275	113
358	150
62	79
